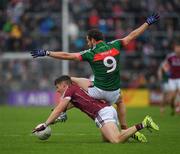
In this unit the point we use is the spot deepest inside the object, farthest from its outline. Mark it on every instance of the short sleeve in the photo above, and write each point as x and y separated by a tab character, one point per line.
85	55
116	44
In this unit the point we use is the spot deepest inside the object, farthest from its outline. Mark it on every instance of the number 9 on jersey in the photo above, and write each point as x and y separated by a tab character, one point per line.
110	62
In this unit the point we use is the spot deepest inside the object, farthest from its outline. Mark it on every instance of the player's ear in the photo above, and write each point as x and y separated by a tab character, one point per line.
93	41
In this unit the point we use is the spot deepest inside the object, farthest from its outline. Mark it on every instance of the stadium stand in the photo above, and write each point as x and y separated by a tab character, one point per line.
29	24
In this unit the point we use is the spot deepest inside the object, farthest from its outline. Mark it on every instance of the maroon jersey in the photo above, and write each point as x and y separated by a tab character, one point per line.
81	100
174	63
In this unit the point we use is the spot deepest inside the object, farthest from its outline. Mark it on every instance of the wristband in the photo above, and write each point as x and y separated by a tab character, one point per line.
47	53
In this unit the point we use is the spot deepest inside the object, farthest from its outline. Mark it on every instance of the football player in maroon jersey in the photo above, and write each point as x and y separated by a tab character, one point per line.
104	115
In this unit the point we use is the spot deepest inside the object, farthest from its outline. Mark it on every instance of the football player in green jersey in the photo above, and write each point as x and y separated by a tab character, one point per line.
104	59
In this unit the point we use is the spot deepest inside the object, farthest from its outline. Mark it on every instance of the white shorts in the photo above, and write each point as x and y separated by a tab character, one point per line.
110	96
165	87
174	84
105	115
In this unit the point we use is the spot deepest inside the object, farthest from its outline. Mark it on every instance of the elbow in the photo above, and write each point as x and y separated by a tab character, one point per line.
128	39
125	42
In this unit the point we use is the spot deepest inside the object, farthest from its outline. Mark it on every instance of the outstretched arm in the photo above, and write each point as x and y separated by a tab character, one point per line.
82	82
56	112
64	55
134	34
55	54
53	116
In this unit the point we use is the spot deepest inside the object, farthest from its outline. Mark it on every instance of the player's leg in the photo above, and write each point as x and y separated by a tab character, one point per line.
121	110
112	97
173	86
116	96
177	100
107	121
171	100
164	101
111	132
82	82
172	94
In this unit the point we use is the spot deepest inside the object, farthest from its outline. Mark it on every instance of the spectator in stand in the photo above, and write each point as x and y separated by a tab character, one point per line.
20	21
94	19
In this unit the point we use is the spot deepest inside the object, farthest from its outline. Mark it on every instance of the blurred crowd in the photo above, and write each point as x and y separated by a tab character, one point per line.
31	24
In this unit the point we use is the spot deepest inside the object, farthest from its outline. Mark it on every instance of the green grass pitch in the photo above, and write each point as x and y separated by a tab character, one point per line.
79	134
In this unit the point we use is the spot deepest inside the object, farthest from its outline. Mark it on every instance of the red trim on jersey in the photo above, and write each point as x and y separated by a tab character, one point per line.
100	56
99	41
78	55
123	43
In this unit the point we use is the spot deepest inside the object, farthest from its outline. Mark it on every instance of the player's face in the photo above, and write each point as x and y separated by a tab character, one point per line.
177	49
89	42
61	87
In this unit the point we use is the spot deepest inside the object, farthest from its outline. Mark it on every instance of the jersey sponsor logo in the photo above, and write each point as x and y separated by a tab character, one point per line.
100	56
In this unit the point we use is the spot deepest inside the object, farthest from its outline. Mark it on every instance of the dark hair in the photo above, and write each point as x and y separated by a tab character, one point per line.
63	78
95	34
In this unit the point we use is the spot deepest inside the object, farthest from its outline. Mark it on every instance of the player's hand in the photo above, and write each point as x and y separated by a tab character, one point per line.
39	53
39	127
62	118
152	19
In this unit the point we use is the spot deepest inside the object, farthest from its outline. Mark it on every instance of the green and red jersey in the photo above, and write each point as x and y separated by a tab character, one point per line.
104	59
